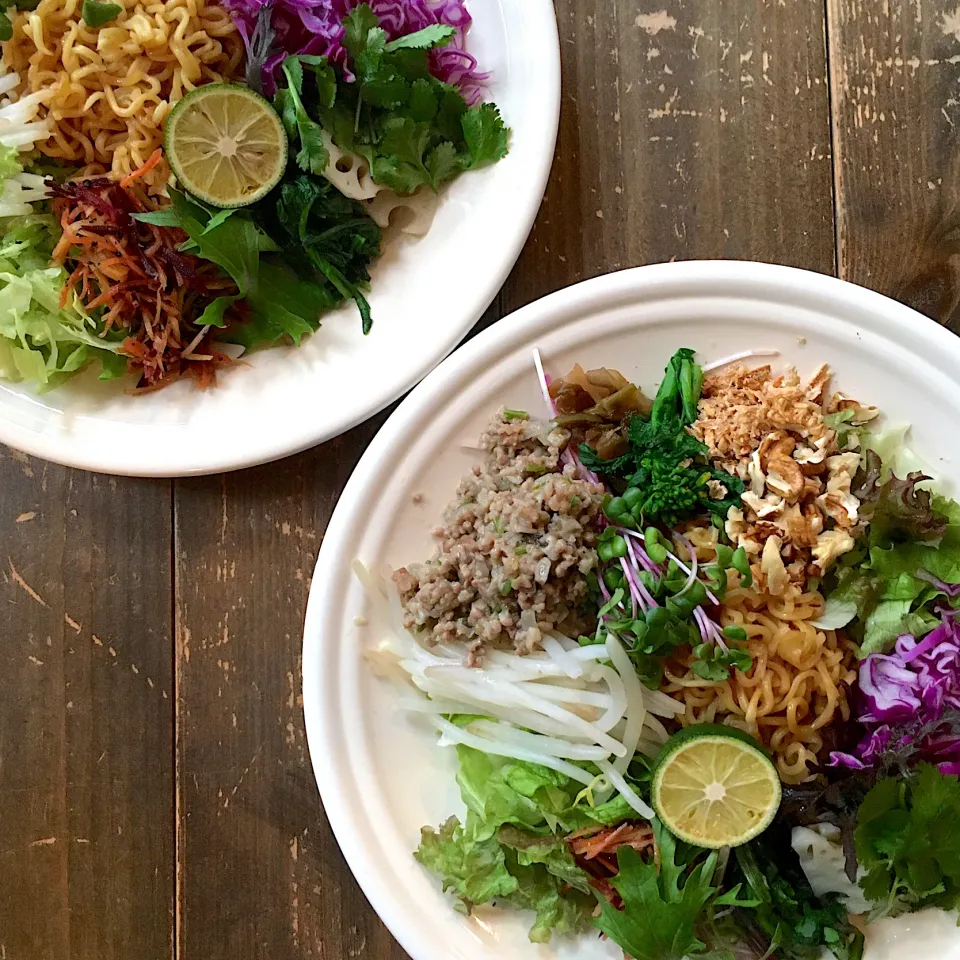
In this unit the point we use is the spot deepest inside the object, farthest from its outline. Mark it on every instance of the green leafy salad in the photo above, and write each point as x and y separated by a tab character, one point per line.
349	120
699	662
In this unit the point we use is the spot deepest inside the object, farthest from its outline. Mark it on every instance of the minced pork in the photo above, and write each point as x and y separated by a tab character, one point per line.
515	547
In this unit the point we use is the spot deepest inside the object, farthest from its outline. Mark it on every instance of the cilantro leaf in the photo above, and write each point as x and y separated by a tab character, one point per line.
660	913
325	75
313	155
424	102
356	28
486	135
442	163
413	129
96	14
907	842
401	166
436	35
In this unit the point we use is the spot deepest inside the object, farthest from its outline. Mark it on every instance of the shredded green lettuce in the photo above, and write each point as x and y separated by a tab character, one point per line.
875	590
9	162
40	341
509	848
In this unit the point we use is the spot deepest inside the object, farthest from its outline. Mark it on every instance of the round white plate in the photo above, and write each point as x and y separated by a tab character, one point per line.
380	773
426	295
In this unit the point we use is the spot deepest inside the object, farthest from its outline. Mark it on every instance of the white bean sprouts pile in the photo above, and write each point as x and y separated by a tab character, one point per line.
21	130
562	704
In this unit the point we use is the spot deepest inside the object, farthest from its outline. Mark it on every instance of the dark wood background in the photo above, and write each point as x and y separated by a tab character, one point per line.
155	795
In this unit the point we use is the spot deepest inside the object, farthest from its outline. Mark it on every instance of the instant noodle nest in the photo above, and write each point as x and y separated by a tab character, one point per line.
111	88
798	685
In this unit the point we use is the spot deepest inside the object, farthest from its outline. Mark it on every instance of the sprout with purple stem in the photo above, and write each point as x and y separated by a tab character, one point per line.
709	630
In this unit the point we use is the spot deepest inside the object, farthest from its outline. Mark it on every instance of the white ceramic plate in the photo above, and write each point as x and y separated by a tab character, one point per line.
426	295
380	774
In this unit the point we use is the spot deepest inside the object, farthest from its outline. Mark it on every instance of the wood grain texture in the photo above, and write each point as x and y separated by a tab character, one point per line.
689	129
260	874
895	79
86	715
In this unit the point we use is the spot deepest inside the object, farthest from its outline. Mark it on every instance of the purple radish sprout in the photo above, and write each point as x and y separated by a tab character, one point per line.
636	586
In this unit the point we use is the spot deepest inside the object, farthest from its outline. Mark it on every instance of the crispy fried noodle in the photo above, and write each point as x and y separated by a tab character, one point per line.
110	88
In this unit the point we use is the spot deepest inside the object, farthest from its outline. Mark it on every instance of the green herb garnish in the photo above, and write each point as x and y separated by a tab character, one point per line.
907	841
96	14
668	472
664	906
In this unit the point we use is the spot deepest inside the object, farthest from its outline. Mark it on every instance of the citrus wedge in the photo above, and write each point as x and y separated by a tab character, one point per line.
226	145
714	786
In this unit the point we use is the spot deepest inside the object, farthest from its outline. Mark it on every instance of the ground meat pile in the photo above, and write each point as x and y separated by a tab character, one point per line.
514	549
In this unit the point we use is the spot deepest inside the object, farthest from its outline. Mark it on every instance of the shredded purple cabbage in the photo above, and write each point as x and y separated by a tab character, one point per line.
905	695
314	27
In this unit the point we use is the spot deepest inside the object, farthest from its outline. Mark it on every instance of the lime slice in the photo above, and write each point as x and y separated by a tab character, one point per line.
713	786
226	145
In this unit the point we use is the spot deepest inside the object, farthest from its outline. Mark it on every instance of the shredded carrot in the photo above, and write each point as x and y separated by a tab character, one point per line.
67	239
136	274
152	161
68	286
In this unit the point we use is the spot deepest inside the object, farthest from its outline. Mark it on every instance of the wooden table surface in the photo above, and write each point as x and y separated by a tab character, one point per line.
156	798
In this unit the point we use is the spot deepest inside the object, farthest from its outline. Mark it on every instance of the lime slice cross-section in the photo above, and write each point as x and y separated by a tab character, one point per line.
714	786
226	145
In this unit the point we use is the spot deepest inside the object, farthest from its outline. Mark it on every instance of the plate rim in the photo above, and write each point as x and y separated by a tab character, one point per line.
102	457
630	286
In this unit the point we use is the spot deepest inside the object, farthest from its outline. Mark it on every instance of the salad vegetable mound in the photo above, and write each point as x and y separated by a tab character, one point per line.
699	660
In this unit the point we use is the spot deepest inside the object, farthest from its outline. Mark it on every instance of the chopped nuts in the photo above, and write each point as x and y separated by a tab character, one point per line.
817	382
785	477
830	545
735	526
755	474
770	431
768	506
861	414
772	568
774	446
716	490
840	507
812	455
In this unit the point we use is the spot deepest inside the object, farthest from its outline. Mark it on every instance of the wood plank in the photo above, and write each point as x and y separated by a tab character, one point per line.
86	729
730	158
691	129
895	78
260	873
